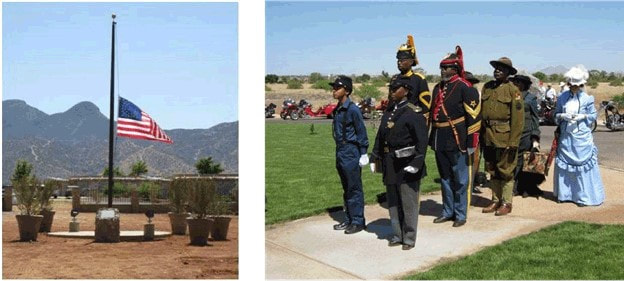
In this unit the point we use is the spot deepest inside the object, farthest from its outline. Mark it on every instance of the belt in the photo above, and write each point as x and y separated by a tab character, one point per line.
442	124
494	122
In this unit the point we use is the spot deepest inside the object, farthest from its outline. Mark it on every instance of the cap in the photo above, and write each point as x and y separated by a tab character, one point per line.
343	81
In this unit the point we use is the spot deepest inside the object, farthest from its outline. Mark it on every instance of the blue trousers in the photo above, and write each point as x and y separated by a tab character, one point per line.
347	164
453	169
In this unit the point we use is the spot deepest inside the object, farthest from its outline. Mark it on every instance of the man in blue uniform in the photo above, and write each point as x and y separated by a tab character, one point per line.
456	121
419	94
351	146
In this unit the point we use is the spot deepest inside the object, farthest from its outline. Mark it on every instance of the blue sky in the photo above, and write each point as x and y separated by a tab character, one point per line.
176	61
362	37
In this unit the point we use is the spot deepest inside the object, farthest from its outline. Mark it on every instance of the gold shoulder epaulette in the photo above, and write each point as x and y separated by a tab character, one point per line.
420	75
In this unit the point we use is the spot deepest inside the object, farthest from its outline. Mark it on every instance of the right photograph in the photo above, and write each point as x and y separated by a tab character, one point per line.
453	140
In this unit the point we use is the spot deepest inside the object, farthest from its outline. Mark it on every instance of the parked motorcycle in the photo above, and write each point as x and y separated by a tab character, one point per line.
289	109
613	119
269	110
546	112
367	107
324	111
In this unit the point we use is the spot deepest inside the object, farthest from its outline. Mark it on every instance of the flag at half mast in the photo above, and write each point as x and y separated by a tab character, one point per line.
134	123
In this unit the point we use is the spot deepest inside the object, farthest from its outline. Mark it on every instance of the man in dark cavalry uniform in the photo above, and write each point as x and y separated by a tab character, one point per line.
351	140
503	122
419	95
456	121
401	145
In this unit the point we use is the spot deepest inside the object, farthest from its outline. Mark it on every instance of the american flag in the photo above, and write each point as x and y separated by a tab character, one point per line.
136	124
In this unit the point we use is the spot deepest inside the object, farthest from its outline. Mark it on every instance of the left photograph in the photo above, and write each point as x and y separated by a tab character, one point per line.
120	141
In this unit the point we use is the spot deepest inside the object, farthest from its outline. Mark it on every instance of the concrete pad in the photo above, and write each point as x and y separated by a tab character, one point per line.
310	249
124	235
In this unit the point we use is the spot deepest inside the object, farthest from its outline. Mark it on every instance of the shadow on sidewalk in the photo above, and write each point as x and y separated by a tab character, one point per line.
381	228
430	208
336	213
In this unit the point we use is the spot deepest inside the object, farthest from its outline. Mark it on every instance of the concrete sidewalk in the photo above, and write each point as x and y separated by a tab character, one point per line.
310	249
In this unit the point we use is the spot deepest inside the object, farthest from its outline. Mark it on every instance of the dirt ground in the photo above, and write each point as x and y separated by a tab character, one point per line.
319	98
65	258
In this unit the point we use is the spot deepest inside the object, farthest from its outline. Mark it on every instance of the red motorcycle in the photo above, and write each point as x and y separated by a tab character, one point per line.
324	111
289	109
367	107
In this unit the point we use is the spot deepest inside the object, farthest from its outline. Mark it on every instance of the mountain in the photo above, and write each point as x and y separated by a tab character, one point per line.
560	69
75	143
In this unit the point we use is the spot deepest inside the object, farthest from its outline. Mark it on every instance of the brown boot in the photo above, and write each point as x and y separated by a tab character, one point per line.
491	208
504	209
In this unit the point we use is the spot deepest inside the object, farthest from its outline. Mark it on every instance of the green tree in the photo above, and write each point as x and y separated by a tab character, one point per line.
271	79
540	75
616	82
22	171
314	77
555	77
138	168
294	84
362	79
367	90
205	166
116	172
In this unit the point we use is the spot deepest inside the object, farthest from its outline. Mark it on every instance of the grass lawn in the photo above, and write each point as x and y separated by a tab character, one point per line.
570	250
301	176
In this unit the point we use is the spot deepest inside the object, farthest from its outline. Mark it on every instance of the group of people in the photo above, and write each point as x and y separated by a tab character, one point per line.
460	123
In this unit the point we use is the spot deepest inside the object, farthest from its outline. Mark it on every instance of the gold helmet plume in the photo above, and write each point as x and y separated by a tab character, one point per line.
408	50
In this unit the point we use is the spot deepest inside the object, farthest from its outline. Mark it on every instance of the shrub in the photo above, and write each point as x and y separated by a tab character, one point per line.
322	85
619	99
119	190
149	190
116	172
271	78
220	206
367	90
138	168
201	196
616	82
315	77
46	191
294	84
379	82
178	195
592	83
362	79
26	190
267	88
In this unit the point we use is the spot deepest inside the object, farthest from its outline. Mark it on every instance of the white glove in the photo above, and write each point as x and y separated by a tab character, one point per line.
372	167
470	150
410	169
579	117
535	144
565	116
363	160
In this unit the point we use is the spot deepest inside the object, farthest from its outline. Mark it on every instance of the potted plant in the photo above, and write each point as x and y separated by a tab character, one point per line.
219	209
178	197
201	195
45	192
28	203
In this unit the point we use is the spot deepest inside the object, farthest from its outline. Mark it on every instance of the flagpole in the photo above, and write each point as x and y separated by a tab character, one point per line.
110	123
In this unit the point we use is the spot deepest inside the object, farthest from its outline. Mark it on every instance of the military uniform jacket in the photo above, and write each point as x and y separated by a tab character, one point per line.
419	94
531	121
463	107
348	126
503	114
398	129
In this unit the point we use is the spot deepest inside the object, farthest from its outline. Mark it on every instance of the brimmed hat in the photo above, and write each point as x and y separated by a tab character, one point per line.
471	78
561	84
343	81
506	62
455	59
577	75
523	79
408	50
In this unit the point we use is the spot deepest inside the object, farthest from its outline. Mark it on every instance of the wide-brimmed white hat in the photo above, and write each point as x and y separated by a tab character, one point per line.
577	75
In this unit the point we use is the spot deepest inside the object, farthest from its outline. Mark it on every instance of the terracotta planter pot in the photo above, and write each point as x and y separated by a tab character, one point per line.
28	226
199	230
178	223
220	228
46	223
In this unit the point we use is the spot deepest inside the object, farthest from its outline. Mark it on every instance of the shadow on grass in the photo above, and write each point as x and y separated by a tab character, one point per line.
381	228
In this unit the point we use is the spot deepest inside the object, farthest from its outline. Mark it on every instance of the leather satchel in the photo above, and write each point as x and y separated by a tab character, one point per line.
535	162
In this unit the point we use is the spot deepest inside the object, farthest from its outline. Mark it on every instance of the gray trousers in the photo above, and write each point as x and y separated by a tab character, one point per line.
404	205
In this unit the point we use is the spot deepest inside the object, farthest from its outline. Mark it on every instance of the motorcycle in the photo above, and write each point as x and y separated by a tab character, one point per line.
289	109
546	112
367	107
613	119
324	111
269	110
